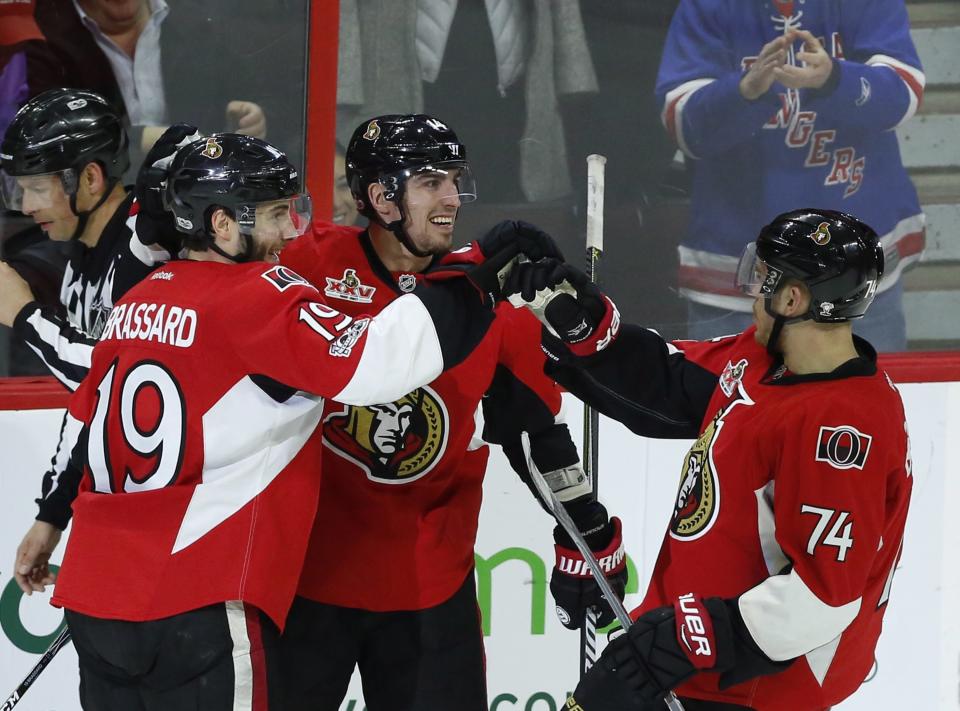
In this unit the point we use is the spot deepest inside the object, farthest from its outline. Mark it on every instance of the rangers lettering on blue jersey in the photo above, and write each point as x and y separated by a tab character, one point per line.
830	148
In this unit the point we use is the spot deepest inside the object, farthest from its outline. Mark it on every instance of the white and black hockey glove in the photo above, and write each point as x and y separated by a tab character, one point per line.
487	261
565	301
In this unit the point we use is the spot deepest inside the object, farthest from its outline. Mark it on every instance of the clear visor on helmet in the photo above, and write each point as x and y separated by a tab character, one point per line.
754	276
29	193
285	218
429	184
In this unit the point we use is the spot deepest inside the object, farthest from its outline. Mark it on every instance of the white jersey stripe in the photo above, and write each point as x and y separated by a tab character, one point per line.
786	619
675	101
773	555
242	662
382	377
820	659
242	455
913	79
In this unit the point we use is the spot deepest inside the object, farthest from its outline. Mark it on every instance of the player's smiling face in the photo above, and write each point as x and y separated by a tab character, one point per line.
273	230
431	203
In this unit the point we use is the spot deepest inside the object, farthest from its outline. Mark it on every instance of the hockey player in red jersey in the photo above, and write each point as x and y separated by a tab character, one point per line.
388	583
197	433
775	572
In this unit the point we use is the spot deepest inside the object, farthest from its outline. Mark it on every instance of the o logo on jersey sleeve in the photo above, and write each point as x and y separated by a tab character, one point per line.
698	500
843	447
394	443
283	278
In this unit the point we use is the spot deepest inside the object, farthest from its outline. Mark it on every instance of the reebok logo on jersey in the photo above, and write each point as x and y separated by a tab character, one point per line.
864	92
283	278
166	276
349	288
843	447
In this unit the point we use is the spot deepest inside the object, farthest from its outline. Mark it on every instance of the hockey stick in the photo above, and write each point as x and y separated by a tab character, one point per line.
563	518
55	646
591	418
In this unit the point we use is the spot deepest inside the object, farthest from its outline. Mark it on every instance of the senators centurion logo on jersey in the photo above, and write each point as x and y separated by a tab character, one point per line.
698	500
843	447
349	288
394	443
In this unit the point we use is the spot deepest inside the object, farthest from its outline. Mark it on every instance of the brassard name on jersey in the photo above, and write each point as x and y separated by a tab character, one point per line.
160	323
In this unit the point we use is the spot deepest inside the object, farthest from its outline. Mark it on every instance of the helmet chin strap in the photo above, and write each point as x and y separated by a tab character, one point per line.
245	255
779	321
83	217
396	227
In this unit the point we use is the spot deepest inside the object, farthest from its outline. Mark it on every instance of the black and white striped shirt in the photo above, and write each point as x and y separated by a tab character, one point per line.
94	279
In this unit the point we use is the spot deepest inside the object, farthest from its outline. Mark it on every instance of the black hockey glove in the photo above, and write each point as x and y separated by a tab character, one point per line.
154	224
487	261
521	238
571	307
660	651
572	585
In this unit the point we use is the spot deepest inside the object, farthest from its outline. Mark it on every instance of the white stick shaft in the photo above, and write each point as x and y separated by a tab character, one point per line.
595	178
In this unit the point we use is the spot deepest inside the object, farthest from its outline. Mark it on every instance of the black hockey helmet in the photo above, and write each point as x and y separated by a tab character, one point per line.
65	129
837	256
391	149
397	146
234	172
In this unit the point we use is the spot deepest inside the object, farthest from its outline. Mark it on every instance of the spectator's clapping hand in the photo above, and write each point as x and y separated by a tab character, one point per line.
247	118
816	66
31	569
762	73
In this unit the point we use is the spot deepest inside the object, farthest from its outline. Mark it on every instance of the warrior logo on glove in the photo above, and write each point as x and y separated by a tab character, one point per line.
393	443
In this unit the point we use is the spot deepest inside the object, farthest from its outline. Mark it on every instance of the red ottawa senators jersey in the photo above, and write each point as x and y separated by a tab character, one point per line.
402	479
197	428
792	500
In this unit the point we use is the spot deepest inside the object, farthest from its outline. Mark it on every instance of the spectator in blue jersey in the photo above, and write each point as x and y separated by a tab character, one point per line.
783	104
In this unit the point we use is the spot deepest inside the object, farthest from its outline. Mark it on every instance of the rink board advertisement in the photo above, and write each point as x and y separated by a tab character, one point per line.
531	659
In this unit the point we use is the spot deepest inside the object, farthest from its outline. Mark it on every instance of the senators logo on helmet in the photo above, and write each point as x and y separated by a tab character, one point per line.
373	131
822	234
212	149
